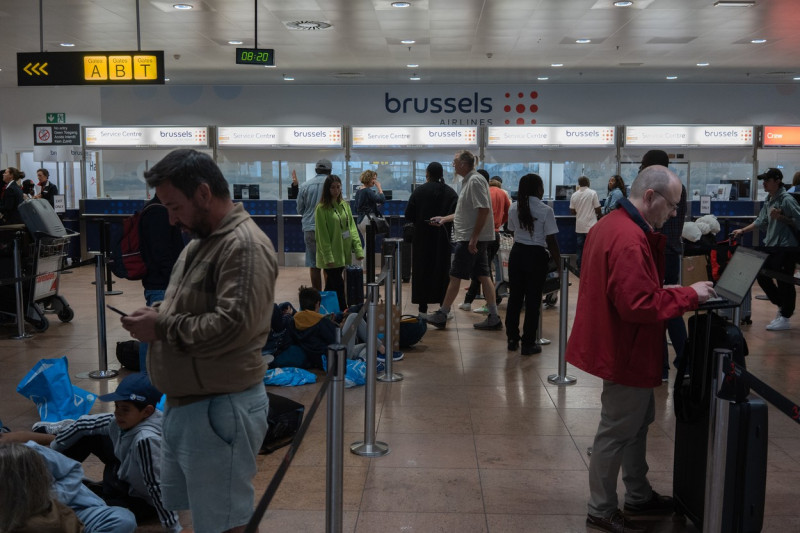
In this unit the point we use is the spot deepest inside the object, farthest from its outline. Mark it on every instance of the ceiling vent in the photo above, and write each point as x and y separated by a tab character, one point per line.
307	25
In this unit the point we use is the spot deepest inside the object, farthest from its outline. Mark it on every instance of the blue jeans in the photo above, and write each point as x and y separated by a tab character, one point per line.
580	238
151	296
209	457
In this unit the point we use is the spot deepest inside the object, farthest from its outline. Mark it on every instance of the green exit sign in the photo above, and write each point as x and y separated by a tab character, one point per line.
56	118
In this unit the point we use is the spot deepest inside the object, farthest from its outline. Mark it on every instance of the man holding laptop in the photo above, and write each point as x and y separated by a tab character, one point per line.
780	215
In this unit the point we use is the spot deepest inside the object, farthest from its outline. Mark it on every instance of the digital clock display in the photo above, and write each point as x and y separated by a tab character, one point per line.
255	56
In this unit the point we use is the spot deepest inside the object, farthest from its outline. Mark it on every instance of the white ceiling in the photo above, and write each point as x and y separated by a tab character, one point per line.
457	41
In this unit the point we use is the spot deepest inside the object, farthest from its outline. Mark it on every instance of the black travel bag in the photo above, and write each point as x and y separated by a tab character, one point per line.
40	218
692	397
284	419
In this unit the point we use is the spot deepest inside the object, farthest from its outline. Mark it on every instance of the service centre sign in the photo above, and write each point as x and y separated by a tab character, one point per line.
285	137
663	136
599	136
373	137
140	136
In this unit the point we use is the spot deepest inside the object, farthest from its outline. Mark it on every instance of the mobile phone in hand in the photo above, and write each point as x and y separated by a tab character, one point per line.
117	310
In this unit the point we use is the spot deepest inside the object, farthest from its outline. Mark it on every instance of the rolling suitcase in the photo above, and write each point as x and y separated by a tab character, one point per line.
692	397
745	467
354	285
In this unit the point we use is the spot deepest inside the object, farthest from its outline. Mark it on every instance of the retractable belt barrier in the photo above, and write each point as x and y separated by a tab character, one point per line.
335	377
28	277
272	488
735	373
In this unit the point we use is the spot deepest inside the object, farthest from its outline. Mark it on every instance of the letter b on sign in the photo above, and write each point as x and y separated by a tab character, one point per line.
120	68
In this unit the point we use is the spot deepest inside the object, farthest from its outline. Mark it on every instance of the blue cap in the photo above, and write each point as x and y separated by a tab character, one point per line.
134	388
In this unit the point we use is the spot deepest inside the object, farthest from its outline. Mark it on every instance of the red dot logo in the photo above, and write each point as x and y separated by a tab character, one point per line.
519	109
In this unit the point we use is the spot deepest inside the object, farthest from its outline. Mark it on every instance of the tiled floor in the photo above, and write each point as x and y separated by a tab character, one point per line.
480	441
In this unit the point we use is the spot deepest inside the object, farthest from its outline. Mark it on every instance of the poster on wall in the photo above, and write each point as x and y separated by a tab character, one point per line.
719	192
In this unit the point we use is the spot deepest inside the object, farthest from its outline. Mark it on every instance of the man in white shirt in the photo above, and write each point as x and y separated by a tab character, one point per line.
586	208
473	230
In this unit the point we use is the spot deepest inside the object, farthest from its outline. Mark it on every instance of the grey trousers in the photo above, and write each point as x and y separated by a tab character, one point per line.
621	441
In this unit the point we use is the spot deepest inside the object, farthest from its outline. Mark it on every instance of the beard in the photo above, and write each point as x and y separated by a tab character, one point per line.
200	226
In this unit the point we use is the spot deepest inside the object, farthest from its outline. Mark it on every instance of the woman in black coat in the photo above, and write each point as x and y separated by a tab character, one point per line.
430	267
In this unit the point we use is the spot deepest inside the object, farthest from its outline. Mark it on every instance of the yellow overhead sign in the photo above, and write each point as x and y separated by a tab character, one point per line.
90	68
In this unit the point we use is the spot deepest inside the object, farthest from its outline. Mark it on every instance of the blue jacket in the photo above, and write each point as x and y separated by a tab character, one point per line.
97	517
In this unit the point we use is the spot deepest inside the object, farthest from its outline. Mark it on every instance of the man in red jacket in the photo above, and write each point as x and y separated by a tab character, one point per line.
618	336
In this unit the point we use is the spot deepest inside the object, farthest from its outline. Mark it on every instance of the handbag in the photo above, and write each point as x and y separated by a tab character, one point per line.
56	398
379	222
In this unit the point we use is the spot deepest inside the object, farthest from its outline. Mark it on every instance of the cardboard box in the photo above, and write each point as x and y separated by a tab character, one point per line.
695	268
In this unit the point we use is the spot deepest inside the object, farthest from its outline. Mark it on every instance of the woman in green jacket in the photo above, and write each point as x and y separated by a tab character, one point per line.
337	237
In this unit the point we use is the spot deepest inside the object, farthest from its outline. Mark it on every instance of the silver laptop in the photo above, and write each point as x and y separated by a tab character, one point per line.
736	279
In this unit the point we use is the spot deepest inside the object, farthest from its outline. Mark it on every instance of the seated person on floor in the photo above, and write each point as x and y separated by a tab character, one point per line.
42	491
310	333
127	441
282	316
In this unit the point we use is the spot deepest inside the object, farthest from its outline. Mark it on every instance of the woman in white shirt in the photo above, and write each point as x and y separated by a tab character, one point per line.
534	227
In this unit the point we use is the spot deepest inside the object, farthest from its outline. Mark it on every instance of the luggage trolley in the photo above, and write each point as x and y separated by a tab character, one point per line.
44	259
42	253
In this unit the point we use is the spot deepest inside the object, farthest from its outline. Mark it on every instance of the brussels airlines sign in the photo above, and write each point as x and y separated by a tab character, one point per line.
517	107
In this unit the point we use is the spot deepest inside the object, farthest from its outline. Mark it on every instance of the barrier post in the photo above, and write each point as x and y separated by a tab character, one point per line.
334	483
717	446
398	268
541	340
18	288
562	378
102	348
388	338
370	253
369	447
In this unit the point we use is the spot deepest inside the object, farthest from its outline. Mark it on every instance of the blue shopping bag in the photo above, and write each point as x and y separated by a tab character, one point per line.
329	303
56	398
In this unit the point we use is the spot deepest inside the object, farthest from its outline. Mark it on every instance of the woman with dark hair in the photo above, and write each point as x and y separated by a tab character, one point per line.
430	252
337	236
28	189
12	196
616	191
534	227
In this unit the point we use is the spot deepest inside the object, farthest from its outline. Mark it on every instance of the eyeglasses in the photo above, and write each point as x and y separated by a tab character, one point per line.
672	207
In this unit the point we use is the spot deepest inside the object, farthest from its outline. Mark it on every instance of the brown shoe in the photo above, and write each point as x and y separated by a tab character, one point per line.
657	505
616	523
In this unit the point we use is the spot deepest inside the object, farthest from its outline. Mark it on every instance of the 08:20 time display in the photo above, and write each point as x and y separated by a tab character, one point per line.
261	57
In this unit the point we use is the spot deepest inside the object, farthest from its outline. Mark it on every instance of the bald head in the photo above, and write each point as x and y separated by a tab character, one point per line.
654	177
656	193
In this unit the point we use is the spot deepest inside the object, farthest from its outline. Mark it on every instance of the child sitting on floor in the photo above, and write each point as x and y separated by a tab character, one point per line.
127	441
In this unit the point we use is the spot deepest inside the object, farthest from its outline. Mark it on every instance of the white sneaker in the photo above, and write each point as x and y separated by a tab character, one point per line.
465	306
779	324
51	428
482	310
451	315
